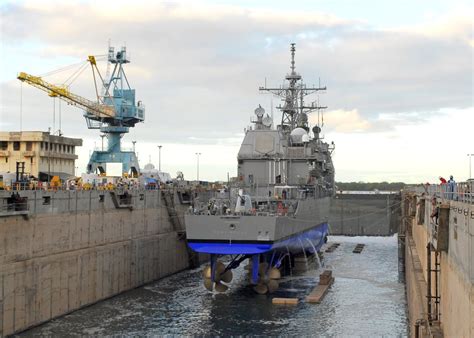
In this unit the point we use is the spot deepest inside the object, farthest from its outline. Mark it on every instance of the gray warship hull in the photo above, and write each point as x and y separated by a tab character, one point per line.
262	232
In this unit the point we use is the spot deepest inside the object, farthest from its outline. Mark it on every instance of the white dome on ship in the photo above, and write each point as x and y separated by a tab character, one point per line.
297	135
149	166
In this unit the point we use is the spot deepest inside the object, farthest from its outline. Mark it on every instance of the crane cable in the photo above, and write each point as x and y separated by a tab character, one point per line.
81	67
75	75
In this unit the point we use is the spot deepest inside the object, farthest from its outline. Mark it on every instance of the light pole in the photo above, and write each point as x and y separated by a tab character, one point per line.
198	154
159	158
470	172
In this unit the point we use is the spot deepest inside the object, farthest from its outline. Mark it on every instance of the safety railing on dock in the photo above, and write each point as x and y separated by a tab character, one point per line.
14	208
455	191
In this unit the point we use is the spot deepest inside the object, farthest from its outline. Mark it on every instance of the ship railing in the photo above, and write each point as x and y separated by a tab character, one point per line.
451	191
273	206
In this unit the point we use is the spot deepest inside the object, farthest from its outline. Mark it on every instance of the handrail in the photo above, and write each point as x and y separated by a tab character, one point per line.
451	191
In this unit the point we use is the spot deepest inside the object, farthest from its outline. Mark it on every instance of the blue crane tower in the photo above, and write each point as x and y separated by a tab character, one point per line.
114	112
118	94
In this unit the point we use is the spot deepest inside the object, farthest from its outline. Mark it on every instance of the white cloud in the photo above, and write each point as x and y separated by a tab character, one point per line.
344	121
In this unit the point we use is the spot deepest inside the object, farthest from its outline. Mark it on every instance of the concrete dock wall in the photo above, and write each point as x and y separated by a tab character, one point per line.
455	276
75	248
359	214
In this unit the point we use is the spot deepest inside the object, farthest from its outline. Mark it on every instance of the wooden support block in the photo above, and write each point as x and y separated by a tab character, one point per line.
325	277
318	293
358	248
332	247
285	301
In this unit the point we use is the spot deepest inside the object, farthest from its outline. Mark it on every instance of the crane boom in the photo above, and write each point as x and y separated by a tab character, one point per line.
94	108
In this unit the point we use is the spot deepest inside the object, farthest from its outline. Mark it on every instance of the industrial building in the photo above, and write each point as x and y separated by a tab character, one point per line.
43	154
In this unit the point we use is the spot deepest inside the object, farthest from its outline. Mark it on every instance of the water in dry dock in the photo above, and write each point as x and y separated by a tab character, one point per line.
366	300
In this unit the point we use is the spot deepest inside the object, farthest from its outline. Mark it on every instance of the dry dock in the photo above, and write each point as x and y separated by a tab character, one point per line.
365	300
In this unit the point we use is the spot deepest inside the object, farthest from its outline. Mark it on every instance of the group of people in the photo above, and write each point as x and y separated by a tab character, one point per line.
448	187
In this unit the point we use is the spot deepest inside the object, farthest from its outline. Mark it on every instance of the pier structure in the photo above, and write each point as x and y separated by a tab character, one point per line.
436	251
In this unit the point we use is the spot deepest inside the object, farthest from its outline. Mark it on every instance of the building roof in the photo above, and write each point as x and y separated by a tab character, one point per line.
38	136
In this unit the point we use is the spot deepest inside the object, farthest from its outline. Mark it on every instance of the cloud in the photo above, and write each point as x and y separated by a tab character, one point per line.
344	121
197	67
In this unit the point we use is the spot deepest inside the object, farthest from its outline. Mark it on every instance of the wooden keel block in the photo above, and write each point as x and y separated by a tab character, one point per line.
318	293
285	301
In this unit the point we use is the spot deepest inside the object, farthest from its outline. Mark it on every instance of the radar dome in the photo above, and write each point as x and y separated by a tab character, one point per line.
259	111
149	166
267	121
297	135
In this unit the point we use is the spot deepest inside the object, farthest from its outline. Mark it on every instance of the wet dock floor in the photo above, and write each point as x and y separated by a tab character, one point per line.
365	300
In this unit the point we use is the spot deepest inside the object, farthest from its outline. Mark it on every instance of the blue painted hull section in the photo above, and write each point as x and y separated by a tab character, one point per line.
309	241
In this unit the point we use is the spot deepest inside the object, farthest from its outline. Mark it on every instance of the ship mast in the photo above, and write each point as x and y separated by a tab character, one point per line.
294	111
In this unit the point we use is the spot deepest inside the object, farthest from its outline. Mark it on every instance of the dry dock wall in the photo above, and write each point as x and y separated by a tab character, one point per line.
455	278
75	248
359	214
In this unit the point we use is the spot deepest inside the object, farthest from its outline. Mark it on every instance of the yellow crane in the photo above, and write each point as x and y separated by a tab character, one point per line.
99	109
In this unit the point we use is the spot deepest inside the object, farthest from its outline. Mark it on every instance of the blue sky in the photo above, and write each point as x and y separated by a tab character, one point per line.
396	71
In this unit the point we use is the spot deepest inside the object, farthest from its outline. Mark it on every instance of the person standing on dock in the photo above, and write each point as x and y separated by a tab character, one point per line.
451	187
442	186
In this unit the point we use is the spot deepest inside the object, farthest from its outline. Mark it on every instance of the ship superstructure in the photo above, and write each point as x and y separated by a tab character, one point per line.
279	205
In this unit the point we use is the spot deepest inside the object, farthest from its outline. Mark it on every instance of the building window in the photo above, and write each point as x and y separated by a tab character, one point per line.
16	145
6	159
3	145
29	146
50	146
31	160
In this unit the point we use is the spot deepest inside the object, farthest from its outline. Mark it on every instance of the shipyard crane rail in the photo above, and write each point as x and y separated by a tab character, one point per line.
94	108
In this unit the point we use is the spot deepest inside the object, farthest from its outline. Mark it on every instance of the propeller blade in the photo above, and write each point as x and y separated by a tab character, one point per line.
226	277
220	267
260	289
262	268
274	273
208	283
272	285
221	287
207	272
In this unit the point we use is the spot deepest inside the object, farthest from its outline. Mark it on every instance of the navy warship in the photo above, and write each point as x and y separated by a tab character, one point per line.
279	205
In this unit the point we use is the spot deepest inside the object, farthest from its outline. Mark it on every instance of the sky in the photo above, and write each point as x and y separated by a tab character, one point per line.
399	77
